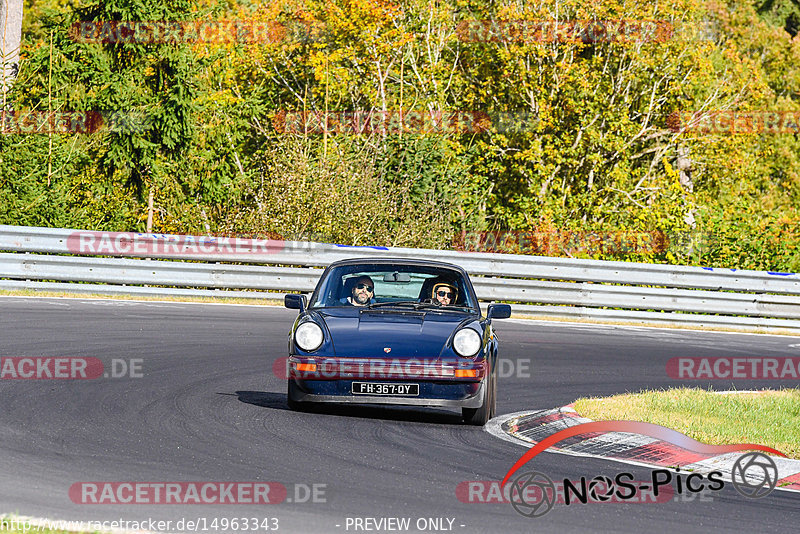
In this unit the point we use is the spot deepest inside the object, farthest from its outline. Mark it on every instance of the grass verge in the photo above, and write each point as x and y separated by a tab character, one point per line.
768	417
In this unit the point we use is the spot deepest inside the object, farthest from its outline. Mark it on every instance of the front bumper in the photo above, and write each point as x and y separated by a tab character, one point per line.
444	394
449	383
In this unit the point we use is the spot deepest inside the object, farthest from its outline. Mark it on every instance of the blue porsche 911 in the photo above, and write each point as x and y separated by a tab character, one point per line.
394	331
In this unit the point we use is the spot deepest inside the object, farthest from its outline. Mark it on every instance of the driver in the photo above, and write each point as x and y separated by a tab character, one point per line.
444	294
362	293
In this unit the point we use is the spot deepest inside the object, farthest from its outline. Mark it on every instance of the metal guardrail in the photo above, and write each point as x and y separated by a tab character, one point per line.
276	252
571	287
154	272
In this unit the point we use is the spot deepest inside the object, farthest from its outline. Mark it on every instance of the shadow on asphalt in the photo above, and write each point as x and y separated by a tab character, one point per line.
277	401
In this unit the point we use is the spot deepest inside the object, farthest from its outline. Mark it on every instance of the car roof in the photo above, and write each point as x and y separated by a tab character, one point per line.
402	261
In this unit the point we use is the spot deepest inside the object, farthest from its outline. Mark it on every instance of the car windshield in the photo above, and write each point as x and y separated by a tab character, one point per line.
393	284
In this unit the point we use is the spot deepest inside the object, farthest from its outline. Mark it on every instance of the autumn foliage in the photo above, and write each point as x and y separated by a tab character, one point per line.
419	123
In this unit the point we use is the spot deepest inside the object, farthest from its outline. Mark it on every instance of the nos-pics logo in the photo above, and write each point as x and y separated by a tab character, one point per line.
533	494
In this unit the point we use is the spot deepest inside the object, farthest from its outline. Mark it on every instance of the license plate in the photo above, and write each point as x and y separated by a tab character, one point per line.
374	388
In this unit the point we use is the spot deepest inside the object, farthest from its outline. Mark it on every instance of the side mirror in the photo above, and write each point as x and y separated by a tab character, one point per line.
497	311
295	302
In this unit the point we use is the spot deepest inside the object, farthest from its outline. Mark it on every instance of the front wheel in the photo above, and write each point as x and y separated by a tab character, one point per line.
480	416
290	392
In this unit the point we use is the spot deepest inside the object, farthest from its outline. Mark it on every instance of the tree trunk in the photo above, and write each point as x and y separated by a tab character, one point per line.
10	38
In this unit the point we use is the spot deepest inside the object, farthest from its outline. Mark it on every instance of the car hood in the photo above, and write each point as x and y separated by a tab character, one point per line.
405	333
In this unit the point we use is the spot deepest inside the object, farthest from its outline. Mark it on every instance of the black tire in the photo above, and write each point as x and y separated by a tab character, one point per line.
480	416
293	404
493	410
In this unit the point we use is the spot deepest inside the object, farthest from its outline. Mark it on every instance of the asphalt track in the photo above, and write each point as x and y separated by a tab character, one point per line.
208	408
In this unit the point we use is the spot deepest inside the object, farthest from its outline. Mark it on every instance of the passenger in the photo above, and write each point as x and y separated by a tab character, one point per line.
362	293
444	294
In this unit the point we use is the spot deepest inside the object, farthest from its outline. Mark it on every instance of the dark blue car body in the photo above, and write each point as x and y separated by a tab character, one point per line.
399	347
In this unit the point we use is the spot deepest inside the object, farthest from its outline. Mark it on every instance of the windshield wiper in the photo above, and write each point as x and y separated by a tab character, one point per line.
419	305
444	308
412	303
430	306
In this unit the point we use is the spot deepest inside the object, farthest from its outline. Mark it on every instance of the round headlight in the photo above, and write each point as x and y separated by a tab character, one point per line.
308	336
467	342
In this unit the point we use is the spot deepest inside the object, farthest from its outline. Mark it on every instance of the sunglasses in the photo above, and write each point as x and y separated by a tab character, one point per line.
443	293
363	286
